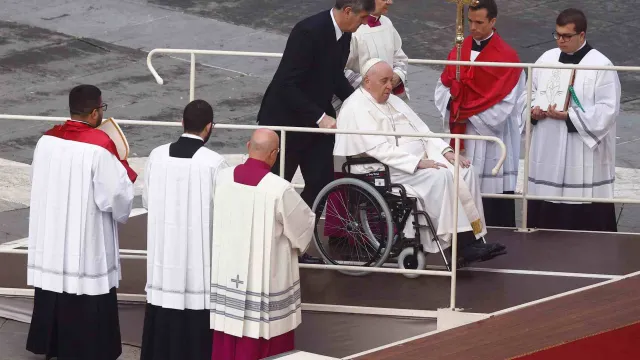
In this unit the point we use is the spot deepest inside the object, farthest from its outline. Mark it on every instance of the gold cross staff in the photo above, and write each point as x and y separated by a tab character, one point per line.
460	27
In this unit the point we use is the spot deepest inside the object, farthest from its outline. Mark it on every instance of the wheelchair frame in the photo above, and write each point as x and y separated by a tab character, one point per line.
399	207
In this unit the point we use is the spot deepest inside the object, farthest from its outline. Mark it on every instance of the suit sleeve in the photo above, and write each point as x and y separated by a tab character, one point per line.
297	61
343	88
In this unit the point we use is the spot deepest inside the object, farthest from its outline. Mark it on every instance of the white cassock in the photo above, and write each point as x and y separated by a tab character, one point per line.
434	188
79	193
178	193
258	234
578	164
504	121
382	42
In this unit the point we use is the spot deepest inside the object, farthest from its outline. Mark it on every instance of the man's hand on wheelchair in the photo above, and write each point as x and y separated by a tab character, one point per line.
464	162
426	164
327	122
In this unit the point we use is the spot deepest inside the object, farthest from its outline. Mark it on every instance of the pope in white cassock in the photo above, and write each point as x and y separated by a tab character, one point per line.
260	227
487	101
573	151
178	193
423	165
80	192
379	39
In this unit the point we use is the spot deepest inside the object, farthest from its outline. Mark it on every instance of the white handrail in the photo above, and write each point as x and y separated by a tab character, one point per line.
283	130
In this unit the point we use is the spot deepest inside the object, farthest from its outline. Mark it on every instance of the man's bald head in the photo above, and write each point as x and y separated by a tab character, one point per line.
378	81
264	146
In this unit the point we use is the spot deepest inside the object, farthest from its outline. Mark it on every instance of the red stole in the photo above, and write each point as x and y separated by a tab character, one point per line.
82	132
480	87
251	172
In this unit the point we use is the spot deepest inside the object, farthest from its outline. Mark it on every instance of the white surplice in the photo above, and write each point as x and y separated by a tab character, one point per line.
178	193
381	42
504	121
578	164
258	234
79	193
434	188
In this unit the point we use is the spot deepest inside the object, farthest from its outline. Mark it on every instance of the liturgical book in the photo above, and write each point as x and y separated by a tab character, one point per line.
111	128
553	88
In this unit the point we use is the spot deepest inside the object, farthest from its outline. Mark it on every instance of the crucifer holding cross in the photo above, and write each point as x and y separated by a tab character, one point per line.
460	27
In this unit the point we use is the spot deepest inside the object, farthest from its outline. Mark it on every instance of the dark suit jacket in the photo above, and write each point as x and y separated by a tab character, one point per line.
310	72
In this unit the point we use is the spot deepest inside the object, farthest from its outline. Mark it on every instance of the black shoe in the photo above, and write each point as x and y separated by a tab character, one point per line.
308	259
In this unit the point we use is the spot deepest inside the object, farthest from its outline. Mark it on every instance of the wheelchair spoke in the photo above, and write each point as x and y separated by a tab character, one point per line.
354	230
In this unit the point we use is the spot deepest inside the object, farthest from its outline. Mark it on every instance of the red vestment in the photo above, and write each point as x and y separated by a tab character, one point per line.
480	87
229	347
83	132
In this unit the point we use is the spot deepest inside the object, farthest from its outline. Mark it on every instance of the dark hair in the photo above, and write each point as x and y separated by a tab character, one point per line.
83	99
197	115
489	5
575	17
357	5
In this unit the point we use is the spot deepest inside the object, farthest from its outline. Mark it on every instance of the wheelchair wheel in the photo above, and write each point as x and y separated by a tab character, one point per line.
356	229
413	259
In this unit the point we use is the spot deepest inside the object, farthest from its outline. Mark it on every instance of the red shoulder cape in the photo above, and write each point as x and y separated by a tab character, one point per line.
480	87
81	132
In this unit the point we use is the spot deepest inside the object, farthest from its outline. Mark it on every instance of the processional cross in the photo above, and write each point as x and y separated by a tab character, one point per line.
460	28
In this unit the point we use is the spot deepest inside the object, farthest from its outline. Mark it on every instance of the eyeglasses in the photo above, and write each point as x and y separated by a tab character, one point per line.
103	106
565	37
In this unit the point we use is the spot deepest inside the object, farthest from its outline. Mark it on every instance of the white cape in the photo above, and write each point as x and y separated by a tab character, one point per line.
258	233
79	194
178	194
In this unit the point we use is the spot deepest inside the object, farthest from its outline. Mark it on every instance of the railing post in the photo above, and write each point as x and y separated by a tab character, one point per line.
454	238
192	78
525	180
283	145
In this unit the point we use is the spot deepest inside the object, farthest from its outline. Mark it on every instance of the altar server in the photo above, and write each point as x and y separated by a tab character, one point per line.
378	38
573	152
423	165
178	192
487	101
80	191
260	227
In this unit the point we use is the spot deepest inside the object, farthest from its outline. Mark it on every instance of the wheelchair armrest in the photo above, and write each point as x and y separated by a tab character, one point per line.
362	161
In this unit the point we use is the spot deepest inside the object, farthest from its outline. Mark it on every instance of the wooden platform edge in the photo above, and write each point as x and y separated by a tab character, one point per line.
470	340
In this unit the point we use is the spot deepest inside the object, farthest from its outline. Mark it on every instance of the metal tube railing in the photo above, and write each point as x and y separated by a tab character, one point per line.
283	131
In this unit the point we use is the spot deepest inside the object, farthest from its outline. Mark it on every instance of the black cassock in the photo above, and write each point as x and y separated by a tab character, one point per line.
171	334
310	73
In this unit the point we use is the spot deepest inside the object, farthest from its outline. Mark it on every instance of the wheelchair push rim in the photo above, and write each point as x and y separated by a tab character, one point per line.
359	213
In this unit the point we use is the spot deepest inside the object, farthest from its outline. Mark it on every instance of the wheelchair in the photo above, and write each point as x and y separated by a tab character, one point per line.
364	220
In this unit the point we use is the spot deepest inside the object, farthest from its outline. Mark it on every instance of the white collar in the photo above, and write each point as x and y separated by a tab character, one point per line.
480	41
82	122
335	25
583	44
191	136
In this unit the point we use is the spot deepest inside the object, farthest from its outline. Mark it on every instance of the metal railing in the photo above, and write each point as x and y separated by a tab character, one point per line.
525	197
283	139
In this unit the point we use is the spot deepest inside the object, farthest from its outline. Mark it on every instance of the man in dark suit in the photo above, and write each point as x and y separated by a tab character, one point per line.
310	73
